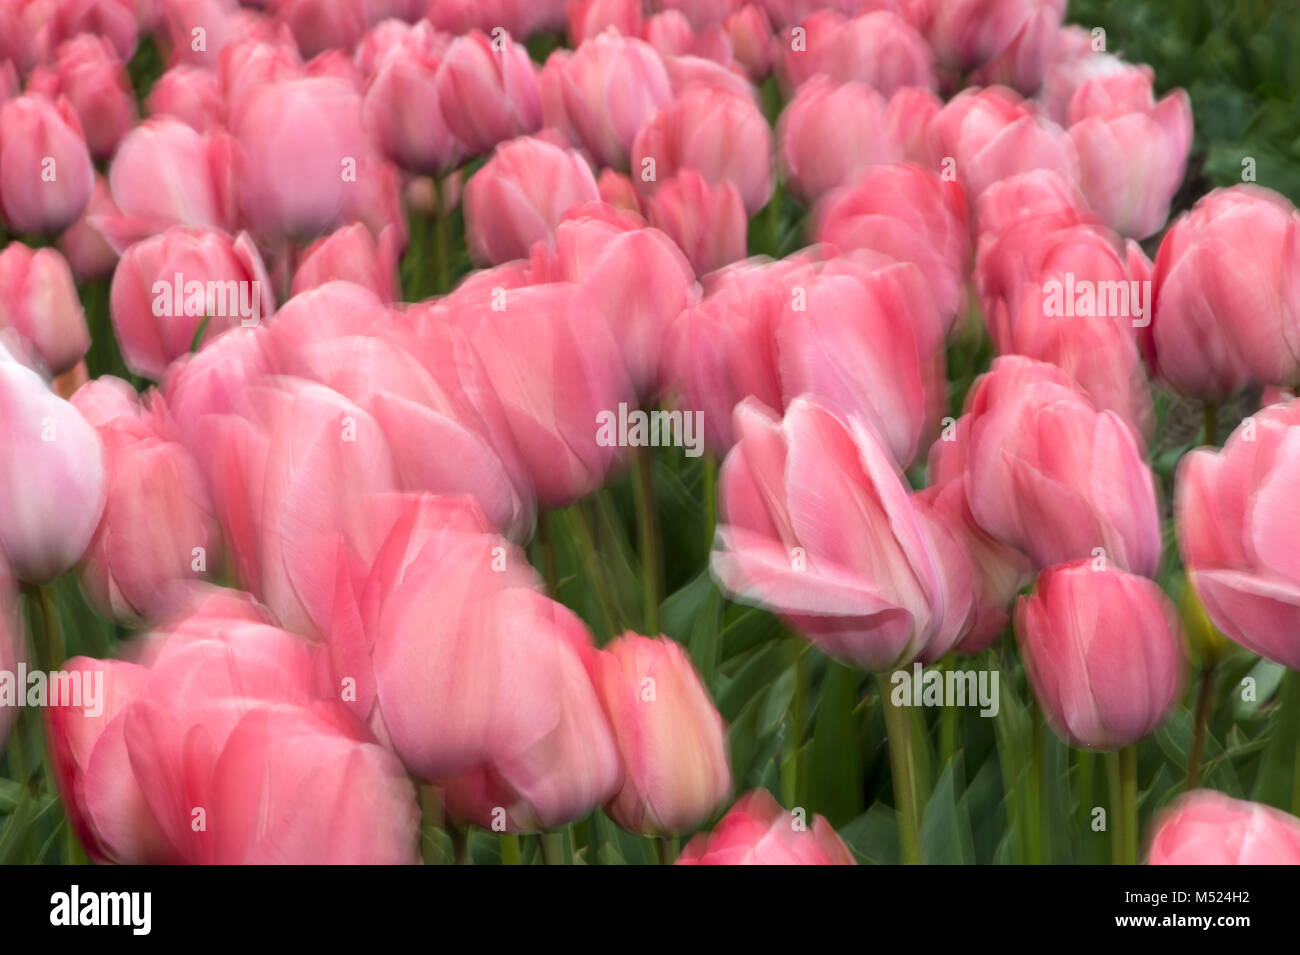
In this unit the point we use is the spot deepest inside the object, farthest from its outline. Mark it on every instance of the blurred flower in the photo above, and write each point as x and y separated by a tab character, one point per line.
88	72
1208	828
488	91
45	171
706	220
38	299
757	831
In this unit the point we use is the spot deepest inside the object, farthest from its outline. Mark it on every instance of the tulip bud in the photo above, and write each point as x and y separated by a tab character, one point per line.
39	299
46	175
1208	828
671	738
1104	652
757	831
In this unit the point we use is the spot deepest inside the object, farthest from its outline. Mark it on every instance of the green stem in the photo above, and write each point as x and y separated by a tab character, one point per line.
54	646
643	491
790	788
595	569
1122	767
902	764
441	240
459	842
1211	416
553	847
710	499
1034	835
1204	707
1086	764
510	854
949	724
667	846
546	554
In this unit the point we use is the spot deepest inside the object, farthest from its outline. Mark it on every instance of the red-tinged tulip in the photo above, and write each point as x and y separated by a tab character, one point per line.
1024	62
991	134
818	527
87	71
1104	652
191	94
115	20
1132	162
301	144
968	34
672	740
718	134
402	109
1205	827
706	220
829	133
1055	478
38	299
52	481
46	175
600	94
670	33
166	173
864	343
589	18
908	214
351	254
757	831
520	196
1233	517
1227	295
488	90
554	367
749	31
803	51
170	287
908	117
563	766
158	527
83	243
638	278
724	349
320	25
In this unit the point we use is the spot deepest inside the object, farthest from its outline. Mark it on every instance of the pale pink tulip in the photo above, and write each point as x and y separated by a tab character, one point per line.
757	831
1208	828
38	299
46	176
706	220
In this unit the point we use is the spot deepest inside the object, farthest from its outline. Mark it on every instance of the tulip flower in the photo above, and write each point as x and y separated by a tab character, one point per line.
520	196
1209	828
488	91
719	134
967	34
1226	303
46	176
88	72
191	94
1231	515
671	738
881	50
590	18
52	477
757	831
39	300
350	254
13	640
84	244
1104	652
706	221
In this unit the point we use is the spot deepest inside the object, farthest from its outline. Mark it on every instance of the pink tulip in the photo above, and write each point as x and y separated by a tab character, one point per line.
718	134
967	34
637	276
157	527
829	133
908	117
908	214
554	367
191	94
1075	59
672	740
52	483
589	18
1230	516
320	25
84	245
402	109
600	94
39	300
488	95
1103	649
115	20
817	525
350	254
301	144
1055	478
221	716
686	73
749	32
991	134
520	196
706	220
880	50
560	770
1133	193
724	349
757	831
616	190
1226	296
165	173
45	171
168	287
87	71
865	343
1024	62
1208	828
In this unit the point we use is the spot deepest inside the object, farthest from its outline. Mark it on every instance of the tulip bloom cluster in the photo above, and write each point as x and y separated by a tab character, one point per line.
305	345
